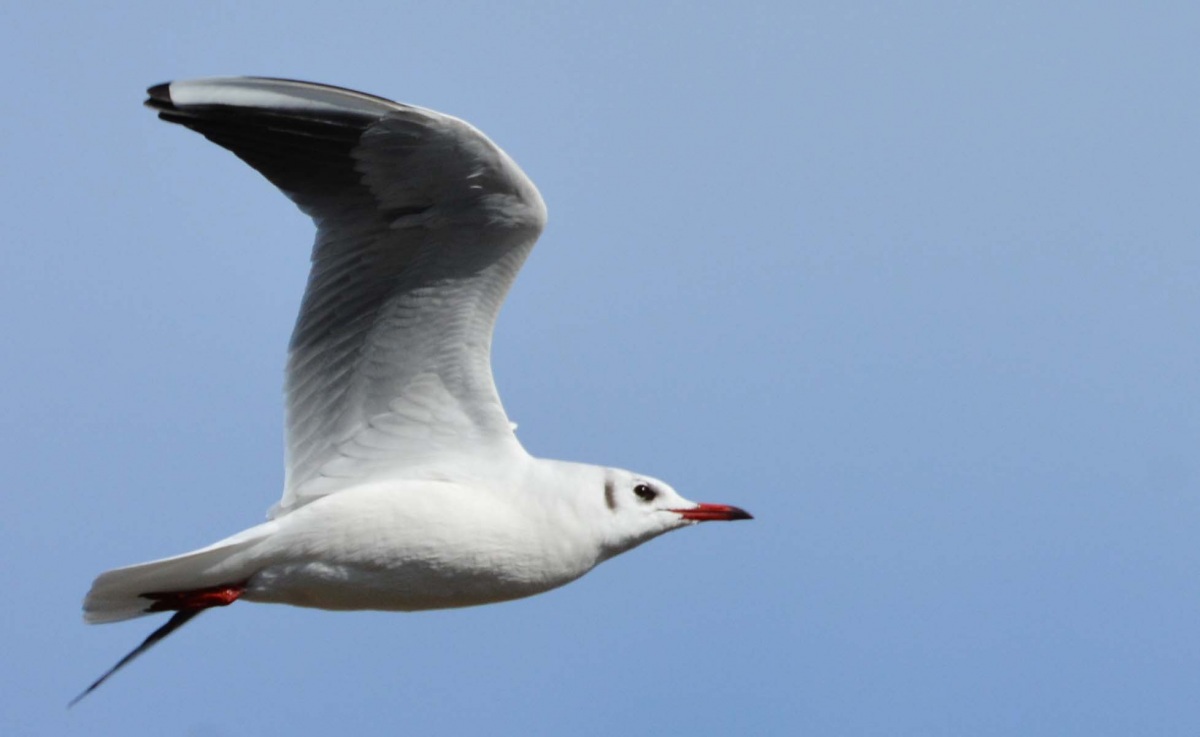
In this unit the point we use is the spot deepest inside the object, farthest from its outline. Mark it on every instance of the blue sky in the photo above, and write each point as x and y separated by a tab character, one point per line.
918	286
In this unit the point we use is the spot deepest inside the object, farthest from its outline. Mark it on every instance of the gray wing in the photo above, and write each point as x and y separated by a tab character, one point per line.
422	225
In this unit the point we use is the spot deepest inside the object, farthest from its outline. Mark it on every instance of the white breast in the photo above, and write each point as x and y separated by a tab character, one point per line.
410	545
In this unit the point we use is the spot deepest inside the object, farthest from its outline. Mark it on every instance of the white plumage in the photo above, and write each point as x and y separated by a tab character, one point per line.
406	487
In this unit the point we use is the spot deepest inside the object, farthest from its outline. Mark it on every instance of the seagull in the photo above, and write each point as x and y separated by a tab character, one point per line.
405	488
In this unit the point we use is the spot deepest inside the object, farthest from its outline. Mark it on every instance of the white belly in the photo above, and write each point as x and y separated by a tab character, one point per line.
427	546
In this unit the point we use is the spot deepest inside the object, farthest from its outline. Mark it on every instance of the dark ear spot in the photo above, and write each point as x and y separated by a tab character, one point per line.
610	494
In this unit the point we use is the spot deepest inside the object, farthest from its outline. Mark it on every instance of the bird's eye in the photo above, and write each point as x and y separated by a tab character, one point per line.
645	492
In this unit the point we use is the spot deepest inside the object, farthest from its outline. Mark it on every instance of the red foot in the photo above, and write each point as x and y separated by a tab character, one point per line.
196	599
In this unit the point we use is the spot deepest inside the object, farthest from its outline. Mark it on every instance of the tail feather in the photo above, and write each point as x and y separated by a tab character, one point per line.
185	584
122	593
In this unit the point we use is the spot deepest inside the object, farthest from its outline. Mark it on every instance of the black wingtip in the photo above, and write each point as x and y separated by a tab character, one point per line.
179	619
159	96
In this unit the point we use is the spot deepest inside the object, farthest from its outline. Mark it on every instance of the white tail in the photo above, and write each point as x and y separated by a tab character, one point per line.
120	593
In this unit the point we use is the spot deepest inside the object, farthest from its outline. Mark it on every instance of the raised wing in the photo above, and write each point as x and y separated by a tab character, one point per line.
422	225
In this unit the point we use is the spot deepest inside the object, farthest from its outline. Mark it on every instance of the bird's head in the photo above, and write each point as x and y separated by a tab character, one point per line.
637	508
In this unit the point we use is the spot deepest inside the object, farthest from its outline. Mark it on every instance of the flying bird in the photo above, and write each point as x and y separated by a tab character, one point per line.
405	487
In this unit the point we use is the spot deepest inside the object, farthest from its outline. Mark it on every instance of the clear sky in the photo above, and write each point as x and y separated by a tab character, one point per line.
919	286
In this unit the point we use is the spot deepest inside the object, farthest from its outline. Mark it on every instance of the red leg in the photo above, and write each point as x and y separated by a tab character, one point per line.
169	601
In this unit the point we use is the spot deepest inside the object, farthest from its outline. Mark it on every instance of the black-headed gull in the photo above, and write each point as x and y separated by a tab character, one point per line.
406	487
